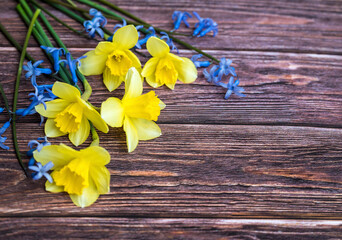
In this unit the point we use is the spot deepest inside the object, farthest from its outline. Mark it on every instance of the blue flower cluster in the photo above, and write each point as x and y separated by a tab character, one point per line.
56	53
204	25
40	170
216	73
42	93
95	24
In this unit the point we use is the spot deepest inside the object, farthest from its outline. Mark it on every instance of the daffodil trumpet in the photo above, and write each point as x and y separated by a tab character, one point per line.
82	174
165	67
136	112
113	59
70	114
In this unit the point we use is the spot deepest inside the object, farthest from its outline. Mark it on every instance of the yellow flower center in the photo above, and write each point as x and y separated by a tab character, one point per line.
69	119
145	106
118	62
73	176
166	72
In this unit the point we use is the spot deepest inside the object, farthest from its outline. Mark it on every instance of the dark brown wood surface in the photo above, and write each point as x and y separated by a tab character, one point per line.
267	166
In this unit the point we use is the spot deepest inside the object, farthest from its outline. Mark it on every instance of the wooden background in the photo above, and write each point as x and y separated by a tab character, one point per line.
267	166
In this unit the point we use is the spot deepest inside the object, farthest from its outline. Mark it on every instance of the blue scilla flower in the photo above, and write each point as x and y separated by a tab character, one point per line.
35	145
152	33
41	171
197	63
210	75
42	94
204	26
2	131
225	68
168	41
118	26
33	71
1	110
98	15
55	54
95	24
178	17
232	87
72	63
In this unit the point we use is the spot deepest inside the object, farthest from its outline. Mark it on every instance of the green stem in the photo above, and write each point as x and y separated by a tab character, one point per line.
59	5
42	39
16	91
122	11
5	101
55	36
95	136
26	19
14	42
58	20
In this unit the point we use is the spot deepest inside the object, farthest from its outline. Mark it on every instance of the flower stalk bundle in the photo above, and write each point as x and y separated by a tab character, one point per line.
83	174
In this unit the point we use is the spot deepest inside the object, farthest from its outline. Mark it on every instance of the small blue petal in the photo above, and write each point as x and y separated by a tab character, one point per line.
178	17
95	24
41	171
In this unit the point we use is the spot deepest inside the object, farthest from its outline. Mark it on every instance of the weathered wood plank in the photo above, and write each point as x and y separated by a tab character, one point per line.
147	228
281	89
297	26
199	171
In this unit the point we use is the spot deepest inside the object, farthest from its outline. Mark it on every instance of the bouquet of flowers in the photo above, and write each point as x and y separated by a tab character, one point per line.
65	106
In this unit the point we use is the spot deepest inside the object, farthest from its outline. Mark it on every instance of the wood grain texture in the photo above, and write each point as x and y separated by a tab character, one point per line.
281	89
147	228
222	169
200	171
294	26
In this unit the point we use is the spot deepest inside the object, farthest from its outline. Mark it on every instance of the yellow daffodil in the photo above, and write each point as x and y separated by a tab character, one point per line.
113	59
165	67
70	115
82	174
135	112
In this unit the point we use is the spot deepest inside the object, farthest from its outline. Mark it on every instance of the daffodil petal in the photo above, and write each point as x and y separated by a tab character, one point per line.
187	72
135	60
95	118
93	64
78	137
52	187
104	48
88	196
151	80
146	129
112	82
150	67
126	37
133	84
112	112
59	155
66	91
101	178
97	155
51	130
157	47
170	85
52	108
132	138
162	105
